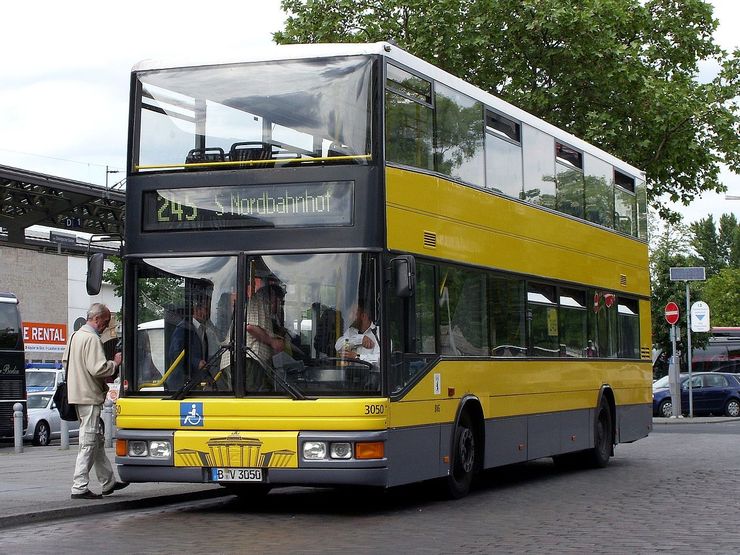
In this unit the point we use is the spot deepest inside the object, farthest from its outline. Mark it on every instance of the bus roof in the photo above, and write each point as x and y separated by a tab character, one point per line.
393	52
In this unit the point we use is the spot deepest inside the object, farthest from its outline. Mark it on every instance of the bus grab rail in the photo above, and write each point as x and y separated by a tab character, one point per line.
253	162
166	375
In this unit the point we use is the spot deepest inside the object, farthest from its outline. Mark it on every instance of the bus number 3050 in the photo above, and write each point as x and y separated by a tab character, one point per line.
374	409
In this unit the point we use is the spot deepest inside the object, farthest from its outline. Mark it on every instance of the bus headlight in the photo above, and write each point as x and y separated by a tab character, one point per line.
160	449
314	450
137	448
341	450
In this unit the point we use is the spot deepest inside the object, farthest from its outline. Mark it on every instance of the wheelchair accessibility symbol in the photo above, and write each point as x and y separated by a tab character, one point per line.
191	414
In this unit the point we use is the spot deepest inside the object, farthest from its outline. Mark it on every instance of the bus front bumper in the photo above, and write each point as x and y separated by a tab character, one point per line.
283	464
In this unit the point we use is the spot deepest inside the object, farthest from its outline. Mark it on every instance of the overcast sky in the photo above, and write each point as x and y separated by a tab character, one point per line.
65	70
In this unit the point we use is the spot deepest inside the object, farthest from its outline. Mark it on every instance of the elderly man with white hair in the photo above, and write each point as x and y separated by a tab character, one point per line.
87	369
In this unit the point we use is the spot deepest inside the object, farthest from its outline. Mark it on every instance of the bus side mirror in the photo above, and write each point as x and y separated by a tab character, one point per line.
403	273
95	273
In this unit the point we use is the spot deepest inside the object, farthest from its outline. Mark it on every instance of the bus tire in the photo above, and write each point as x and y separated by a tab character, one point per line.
463	459
598	456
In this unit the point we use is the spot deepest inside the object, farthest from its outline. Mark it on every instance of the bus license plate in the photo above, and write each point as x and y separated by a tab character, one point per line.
236	474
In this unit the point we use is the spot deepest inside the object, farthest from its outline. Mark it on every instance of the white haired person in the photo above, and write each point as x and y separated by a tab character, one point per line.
87	369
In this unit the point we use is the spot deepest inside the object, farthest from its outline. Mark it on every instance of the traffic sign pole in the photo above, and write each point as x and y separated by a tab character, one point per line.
688	349
674	377
674	374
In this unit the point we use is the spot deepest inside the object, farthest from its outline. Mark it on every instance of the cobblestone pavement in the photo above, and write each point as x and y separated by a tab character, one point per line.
672	492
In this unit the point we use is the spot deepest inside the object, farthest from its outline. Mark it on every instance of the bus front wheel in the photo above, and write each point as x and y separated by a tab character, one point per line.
463	458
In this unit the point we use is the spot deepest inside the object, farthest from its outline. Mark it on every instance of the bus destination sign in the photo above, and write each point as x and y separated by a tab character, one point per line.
324	203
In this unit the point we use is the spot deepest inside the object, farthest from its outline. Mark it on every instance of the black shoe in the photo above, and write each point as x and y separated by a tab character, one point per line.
86	495
116	487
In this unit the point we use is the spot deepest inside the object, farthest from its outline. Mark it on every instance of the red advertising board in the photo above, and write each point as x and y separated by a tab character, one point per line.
43	336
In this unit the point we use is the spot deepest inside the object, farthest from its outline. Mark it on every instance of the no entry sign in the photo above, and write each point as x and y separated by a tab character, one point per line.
671	313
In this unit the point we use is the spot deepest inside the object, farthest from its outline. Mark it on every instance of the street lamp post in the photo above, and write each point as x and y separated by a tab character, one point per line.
108	171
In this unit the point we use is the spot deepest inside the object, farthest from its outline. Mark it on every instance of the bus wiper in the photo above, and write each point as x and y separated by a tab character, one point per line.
201	373
293	391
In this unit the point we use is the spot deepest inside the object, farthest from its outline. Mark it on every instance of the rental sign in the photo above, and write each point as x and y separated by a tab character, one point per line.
44	337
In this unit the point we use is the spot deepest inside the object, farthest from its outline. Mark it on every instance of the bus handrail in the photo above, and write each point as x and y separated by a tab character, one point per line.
166	374
253	162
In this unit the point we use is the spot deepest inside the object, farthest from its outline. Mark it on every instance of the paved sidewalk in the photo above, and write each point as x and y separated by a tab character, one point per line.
35	487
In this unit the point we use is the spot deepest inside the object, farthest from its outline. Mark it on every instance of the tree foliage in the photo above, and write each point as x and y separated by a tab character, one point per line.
620	74
722	293
703	243
717	247
668	249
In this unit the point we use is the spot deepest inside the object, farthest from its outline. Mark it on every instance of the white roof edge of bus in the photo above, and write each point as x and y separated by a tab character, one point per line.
305	51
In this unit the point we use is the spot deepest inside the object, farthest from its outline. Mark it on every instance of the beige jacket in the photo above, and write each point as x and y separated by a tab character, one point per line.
87	368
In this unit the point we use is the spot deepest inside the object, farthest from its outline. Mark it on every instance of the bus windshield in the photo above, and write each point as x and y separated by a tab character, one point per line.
302	311
255	115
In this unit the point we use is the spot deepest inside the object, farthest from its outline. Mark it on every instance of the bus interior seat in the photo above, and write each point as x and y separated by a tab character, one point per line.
337	149
250	150
208	154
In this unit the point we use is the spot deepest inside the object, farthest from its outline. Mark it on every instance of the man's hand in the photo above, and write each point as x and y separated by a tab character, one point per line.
367	342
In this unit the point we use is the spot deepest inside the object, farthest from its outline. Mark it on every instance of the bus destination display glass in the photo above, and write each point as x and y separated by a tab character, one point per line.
326	203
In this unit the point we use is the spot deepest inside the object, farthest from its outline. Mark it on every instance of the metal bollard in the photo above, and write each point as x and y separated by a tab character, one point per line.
18	427
64	434
108	422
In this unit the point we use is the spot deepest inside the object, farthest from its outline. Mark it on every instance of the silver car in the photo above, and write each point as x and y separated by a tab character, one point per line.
44	423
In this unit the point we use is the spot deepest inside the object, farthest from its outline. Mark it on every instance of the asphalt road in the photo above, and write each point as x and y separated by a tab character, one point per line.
675	491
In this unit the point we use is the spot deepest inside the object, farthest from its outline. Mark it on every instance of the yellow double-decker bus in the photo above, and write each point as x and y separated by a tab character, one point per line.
346	266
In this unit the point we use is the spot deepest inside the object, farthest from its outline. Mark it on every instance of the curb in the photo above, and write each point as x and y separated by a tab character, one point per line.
695	420
95	506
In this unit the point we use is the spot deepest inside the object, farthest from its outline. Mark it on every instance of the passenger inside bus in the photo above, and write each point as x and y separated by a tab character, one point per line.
362	339
195	335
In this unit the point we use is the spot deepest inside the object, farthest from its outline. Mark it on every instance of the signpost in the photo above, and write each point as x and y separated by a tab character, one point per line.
700	317
671	313
674	382
695	273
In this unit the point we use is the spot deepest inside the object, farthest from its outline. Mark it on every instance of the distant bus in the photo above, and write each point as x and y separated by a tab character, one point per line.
720	354
12	368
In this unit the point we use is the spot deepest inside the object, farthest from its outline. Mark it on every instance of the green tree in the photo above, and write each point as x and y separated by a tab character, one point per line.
667	250
729	240
114	276
705	242
621	74
722	293
716	247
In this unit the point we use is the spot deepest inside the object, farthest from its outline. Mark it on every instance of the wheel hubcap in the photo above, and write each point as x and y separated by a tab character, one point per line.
467	450
667	410
733	409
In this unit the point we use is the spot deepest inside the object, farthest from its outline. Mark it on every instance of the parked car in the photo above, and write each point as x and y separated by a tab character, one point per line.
44	423
715	393
43	377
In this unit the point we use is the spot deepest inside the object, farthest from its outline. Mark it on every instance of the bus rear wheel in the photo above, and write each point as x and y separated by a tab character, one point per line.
463	460
598	456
